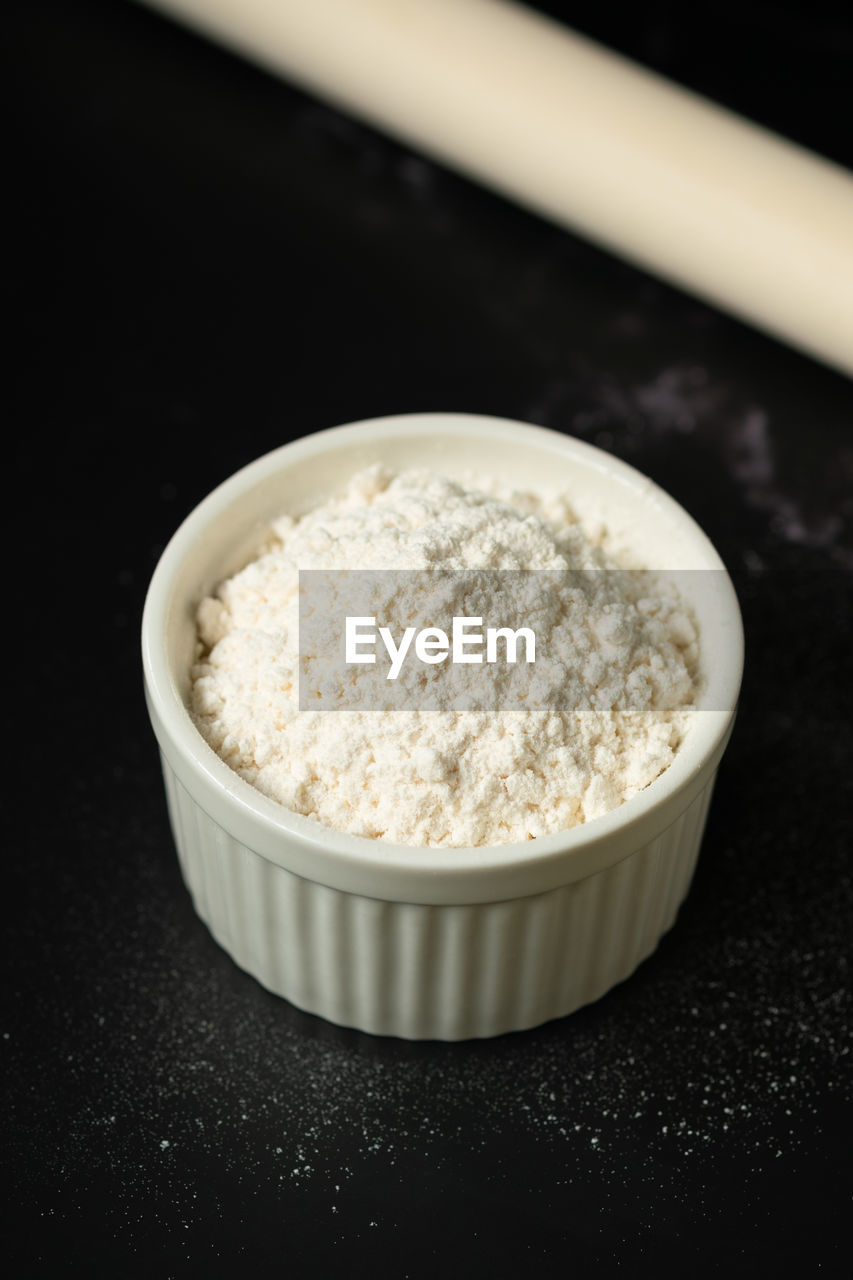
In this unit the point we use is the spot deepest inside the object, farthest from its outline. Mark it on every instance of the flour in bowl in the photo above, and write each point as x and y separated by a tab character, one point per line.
598	718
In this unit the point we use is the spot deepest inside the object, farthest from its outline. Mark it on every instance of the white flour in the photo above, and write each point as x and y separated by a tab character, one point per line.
625	654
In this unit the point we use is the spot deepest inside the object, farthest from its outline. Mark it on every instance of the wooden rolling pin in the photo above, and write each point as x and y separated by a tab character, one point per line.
701	197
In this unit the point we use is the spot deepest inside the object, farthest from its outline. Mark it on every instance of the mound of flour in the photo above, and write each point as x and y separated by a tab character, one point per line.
447	777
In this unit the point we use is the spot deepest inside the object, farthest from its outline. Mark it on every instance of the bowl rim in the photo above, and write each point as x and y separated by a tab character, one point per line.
378	868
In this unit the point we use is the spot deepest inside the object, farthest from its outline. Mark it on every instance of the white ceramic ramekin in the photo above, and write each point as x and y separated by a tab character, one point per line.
432	943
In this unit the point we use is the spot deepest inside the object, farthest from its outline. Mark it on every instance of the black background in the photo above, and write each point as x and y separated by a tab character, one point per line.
206	263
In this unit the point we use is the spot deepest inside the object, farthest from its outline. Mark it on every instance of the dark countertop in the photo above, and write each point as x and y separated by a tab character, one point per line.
207	264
